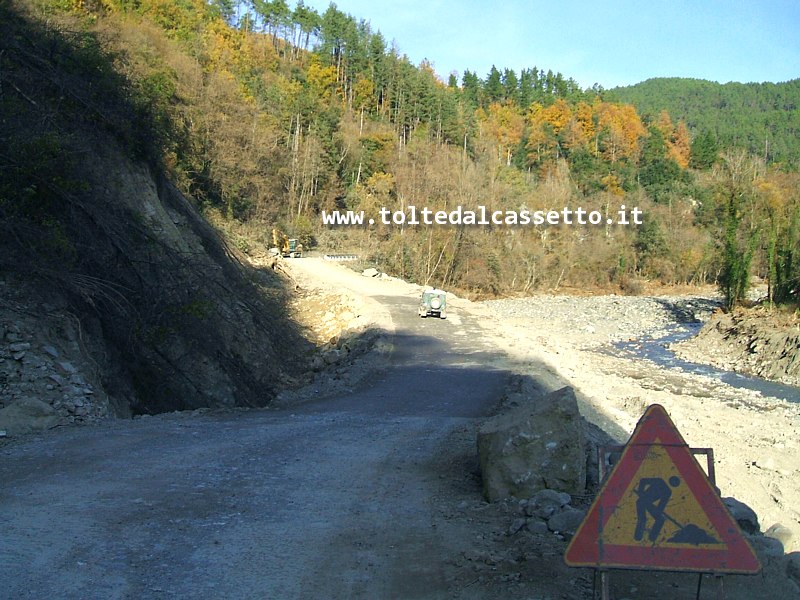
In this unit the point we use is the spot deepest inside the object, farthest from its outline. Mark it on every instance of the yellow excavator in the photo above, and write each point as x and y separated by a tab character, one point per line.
286	246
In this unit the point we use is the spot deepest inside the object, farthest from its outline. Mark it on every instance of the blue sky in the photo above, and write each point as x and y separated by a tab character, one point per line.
617	42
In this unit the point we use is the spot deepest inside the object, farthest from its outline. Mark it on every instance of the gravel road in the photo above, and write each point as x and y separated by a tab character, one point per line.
337	498
368	487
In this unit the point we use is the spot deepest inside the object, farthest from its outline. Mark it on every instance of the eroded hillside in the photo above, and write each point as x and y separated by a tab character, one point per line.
97	239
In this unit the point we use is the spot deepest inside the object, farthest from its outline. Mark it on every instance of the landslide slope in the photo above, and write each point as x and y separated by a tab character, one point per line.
92	229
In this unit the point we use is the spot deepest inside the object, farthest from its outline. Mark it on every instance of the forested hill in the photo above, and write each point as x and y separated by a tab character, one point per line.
267	116
763	117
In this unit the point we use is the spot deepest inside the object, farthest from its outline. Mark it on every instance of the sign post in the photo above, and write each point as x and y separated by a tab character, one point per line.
657	510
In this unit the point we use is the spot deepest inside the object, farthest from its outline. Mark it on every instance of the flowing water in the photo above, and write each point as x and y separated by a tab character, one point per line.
657	350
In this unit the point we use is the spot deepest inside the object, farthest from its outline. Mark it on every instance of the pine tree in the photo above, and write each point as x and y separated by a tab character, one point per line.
472	86
704	151
493	87
511	86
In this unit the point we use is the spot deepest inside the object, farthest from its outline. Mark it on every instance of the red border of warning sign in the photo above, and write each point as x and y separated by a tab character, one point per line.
587	548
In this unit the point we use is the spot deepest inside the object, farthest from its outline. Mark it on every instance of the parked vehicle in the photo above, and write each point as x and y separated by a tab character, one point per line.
433	303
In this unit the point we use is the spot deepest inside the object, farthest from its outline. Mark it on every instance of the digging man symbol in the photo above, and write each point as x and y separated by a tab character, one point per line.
653	495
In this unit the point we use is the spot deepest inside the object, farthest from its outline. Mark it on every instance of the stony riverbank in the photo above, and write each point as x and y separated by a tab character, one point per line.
758	342
596	320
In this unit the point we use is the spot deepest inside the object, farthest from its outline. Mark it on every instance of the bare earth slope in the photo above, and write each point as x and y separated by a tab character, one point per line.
760	342
367	487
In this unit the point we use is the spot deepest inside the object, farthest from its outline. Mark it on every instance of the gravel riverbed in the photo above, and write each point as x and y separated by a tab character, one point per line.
602	319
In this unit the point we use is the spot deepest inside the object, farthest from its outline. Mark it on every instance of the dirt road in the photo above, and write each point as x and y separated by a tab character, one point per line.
336	498
372	491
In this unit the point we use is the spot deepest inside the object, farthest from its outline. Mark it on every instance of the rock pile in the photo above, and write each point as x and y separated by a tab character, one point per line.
548	510
335	323
348	342
44	379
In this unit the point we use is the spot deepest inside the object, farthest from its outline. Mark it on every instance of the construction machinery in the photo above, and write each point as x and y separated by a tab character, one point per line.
286	246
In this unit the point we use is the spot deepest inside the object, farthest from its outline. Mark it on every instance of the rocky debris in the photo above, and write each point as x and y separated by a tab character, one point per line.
545	503
539	528
547	511
327	318
335	323
760	342
567	521
793	568
766	546
344	333
370	272
781	533
45	375
537	445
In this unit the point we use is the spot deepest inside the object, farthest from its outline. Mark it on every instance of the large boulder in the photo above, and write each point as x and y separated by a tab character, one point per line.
537	445
567	521
27	415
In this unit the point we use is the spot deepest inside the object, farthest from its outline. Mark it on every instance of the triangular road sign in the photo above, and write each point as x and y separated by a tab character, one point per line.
658	510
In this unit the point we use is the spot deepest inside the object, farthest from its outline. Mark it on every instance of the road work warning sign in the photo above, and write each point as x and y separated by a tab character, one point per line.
658	510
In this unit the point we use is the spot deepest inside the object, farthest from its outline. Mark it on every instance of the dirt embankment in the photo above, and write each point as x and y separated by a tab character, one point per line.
155	314
57	369
759	342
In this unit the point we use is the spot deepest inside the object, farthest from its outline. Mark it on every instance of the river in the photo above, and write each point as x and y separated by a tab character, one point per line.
657	350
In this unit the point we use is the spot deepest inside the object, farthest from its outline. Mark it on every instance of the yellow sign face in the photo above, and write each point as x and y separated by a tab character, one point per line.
658	509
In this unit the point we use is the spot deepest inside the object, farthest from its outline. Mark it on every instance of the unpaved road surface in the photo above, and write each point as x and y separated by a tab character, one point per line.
334	498
364	484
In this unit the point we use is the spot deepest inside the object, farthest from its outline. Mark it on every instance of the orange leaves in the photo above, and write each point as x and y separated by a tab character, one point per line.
557	115
585	116
548	124
664	125
677	139
680	146
623	128
562	127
